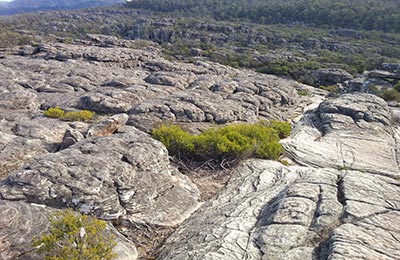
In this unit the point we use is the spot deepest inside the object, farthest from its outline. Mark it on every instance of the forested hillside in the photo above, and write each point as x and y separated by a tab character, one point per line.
355	14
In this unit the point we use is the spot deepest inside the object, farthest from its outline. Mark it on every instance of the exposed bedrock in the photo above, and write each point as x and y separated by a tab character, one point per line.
269	211
353	131
124	175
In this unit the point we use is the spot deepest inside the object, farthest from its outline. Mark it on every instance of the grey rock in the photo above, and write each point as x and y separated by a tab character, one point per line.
24	135
28	50
21	222
124	175
71	137
103	104
196	52
269	211
18	100
330	76
392	67
352	131
242	98
312	43
383	74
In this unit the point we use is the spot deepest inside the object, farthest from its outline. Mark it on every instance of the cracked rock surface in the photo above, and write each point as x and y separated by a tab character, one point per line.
353	131
124	175
339	201
321	211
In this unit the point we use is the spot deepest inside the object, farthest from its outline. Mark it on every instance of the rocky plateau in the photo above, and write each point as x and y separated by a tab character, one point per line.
337	198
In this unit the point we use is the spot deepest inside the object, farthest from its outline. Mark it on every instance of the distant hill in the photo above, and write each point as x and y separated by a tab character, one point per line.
24	6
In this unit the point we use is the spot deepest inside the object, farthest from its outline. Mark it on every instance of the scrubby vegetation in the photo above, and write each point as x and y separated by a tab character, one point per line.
267	45
228	143
56	112
8	38
73	236
388	94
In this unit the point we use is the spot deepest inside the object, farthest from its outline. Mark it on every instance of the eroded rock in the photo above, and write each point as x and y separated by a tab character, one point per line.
269	211
108	126
124	175
353	131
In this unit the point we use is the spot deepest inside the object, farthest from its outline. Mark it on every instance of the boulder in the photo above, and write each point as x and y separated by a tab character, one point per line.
103	104
126	175
71	137
330	76
18	100
108	126
312	43
381	74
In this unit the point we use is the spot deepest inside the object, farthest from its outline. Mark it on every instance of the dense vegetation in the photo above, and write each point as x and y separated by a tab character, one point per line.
226	143
356	14
73	236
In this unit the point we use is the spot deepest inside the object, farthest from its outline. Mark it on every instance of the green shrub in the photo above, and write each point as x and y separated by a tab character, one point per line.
397	86
283	128
177	141
56	112
391	95
331	88
230	142
303	92
84	115
73	236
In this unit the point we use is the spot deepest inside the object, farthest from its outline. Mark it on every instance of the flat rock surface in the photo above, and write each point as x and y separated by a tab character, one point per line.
269	211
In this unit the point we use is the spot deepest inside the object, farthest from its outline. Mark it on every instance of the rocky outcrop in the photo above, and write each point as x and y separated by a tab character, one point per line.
21	222
154	90
269	211
330	76
353	131
71	136
124	175
344	205
339	201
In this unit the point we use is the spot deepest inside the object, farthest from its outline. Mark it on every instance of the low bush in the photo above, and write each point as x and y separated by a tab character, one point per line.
303	92
73	236
230	142
56	112
391	95
84	115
